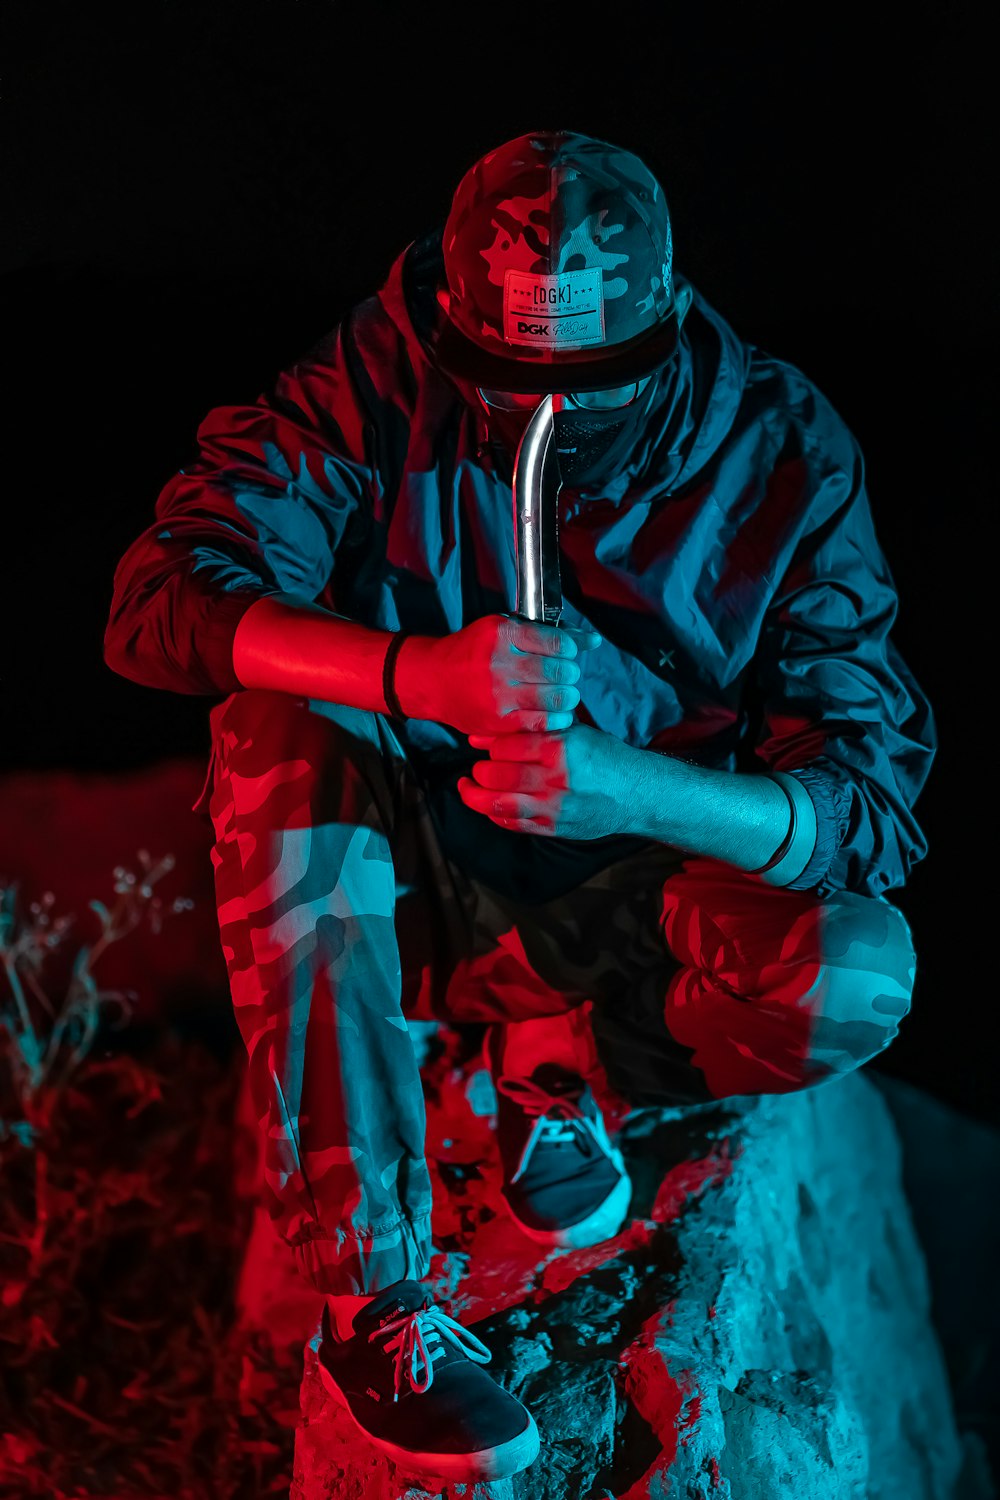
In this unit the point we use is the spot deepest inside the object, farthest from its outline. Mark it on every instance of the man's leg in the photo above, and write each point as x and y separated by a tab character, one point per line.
780	990
305	808
681	980
313	835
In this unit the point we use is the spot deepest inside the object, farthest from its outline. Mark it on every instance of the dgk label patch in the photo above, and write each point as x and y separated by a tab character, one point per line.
564	311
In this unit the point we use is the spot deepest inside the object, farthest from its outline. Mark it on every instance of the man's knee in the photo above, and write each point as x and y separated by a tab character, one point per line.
781	989
867	968
257	732
274	724
283	762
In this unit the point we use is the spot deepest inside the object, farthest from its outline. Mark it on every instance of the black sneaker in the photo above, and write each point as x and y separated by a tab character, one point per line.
565	1184
411	1379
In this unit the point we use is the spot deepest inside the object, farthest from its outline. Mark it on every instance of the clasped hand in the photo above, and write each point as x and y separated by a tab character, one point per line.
570	783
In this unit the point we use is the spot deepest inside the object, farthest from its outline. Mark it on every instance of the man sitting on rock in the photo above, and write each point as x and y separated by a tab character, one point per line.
648	847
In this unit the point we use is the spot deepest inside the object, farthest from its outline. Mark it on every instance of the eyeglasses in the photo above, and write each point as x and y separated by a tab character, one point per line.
612	399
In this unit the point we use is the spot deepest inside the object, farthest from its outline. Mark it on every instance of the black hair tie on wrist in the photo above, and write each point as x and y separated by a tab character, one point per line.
786	842
392	703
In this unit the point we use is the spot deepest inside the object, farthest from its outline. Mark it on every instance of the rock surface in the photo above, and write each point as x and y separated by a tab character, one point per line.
951	1176
760	1328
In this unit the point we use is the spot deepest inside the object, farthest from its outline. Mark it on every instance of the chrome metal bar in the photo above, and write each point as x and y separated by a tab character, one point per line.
536	520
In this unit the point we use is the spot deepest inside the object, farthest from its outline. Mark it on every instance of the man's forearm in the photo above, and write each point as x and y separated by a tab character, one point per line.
294	646
728	815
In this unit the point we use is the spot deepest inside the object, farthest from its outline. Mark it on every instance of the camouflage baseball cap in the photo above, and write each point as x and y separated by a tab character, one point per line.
556	268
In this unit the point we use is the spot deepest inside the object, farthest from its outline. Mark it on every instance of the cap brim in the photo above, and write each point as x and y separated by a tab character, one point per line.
527	371
588	370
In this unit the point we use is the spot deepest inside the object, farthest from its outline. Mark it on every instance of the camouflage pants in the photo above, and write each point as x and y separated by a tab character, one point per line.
342	911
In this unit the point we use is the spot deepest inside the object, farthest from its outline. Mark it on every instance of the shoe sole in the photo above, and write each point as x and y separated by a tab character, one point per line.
486	1464
601	1225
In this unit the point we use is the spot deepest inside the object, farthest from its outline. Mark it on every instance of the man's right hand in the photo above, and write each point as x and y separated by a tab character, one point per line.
496	675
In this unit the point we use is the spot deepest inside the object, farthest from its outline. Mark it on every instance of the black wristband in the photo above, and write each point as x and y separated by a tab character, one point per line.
786	842
392	703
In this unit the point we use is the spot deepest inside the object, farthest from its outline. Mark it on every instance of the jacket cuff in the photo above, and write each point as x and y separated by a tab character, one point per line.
216	633
832	804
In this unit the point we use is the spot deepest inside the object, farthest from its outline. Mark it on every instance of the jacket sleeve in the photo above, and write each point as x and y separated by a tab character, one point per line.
261	510
840	709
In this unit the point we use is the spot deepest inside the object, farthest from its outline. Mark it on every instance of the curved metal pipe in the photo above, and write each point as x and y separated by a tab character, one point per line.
536	520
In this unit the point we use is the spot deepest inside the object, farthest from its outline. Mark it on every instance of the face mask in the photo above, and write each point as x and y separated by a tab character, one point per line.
591	444
594	445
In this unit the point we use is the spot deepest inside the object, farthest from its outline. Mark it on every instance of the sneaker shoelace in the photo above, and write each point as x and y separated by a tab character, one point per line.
420	1336
558	1118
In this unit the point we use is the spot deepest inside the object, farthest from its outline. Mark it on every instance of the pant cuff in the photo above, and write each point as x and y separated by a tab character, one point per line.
351	1264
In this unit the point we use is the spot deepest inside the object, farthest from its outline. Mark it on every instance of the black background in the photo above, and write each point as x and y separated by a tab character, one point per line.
192	194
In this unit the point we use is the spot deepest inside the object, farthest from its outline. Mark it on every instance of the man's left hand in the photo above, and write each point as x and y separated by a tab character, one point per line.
571	783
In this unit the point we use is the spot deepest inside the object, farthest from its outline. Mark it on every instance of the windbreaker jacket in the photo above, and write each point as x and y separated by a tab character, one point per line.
731	566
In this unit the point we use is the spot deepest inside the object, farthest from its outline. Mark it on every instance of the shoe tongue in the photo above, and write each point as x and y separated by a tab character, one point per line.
404	1297
557	1080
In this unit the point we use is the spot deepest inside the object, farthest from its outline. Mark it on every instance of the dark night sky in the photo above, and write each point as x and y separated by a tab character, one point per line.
192	194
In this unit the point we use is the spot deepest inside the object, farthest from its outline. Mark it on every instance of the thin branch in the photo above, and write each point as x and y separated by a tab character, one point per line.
14	980
39	993
84	1416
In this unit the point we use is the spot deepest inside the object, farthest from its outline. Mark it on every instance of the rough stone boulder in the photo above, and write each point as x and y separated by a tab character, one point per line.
760	1328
